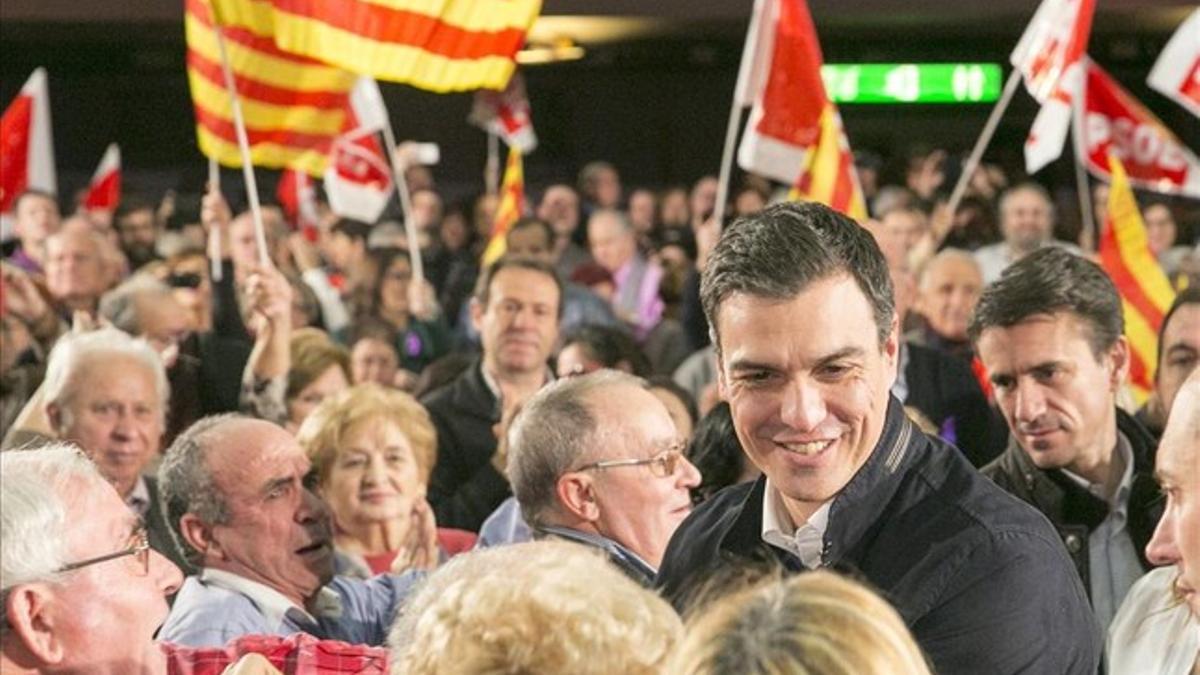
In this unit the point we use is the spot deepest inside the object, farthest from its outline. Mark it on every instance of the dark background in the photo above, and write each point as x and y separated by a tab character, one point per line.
652	98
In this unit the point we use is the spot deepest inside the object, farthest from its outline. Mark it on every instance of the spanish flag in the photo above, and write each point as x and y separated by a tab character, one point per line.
510	209
438	45
1146	293
293	106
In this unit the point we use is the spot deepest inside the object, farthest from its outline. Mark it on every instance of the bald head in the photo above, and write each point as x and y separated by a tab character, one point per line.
948	292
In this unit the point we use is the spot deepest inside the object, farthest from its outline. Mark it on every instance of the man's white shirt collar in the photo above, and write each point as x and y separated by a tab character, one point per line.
273	604
806	542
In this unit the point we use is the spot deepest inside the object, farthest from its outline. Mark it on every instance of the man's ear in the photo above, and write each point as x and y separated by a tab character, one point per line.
577	496
29	609
199	535
54	415
477	310
1120	362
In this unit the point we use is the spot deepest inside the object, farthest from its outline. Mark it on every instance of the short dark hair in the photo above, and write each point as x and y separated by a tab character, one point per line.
609	346
533	223
354	229
483	289
132	203
1188	296
1048	281
777	252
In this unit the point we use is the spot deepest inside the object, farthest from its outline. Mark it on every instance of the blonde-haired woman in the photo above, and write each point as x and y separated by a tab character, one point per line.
372	449
817	623
535	607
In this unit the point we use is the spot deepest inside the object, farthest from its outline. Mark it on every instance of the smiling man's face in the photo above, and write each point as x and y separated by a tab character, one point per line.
808	385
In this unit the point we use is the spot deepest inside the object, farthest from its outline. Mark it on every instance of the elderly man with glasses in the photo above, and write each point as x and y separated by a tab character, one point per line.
83	592
597	460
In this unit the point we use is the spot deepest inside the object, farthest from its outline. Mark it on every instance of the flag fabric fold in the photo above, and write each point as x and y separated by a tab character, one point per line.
1146	294
297	196
510	209
104	190
1051	56
438	45
27	143
293	107
506	114
1110	121
1176	73
794	133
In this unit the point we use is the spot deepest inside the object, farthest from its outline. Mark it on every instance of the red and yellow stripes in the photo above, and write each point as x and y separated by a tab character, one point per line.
510	209
438	45
293	106
1146	293
828	176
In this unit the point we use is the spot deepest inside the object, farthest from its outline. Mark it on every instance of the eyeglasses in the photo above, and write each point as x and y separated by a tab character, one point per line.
662	465
140	549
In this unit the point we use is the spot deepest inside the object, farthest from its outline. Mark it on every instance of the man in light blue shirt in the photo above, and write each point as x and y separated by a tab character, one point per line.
233	491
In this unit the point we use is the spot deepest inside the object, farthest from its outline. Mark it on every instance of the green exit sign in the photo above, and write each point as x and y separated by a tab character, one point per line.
912	82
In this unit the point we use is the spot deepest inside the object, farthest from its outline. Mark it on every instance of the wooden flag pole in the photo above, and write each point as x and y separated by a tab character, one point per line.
491	170
214	243
264	258
731	129
410	228
989	129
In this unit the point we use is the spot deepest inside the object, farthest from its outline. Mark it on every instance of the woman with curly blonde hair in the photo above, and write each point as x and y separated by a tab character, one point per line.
817	623
372	449
543	607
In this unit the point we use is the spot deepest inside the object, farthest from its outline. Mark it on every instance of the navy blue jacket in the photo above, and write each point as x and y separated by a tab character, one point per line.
980	577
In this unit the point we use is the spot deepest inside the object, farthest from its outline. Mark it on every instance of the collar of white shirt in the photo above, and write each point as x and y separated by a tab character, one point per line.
1119	500
273	604
805	542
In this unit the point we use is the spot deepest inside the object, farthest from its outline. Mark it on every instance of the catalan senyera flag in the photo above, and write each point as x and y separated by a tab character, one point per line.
293	106
438	45
1146	294
794	133
510	209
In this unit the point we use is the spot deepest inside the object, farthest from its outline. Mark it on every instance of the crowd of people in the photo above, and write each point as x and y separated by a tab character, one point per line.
615	449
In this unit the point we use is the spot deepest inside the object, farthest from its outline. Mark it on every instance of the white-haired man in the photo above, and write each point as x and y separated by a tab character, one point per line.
108	393
82	592
597	460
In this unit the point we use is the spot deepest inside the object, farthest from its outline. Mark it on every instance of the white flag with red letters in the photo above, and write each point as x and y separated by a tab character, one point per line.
358	181
1177	71
506	114
1050	57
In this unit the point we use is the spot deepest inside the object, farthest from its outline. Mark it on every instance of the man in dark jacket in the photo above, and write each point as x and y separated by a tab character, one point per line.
1050	333
516	310
802	310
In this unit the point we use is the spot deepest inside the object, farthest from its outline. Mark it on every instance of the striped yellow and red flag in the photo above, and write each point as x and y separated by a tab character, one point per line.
438	45
828	175
510	209
293	106
1146	293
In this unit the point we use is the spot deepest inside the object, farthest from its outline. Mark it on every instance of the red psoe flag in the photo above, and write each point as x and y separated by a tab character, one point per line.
1146	293
1050	57
1177	71
297	196
506	114
794	133
104	192
26	143
1110	121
